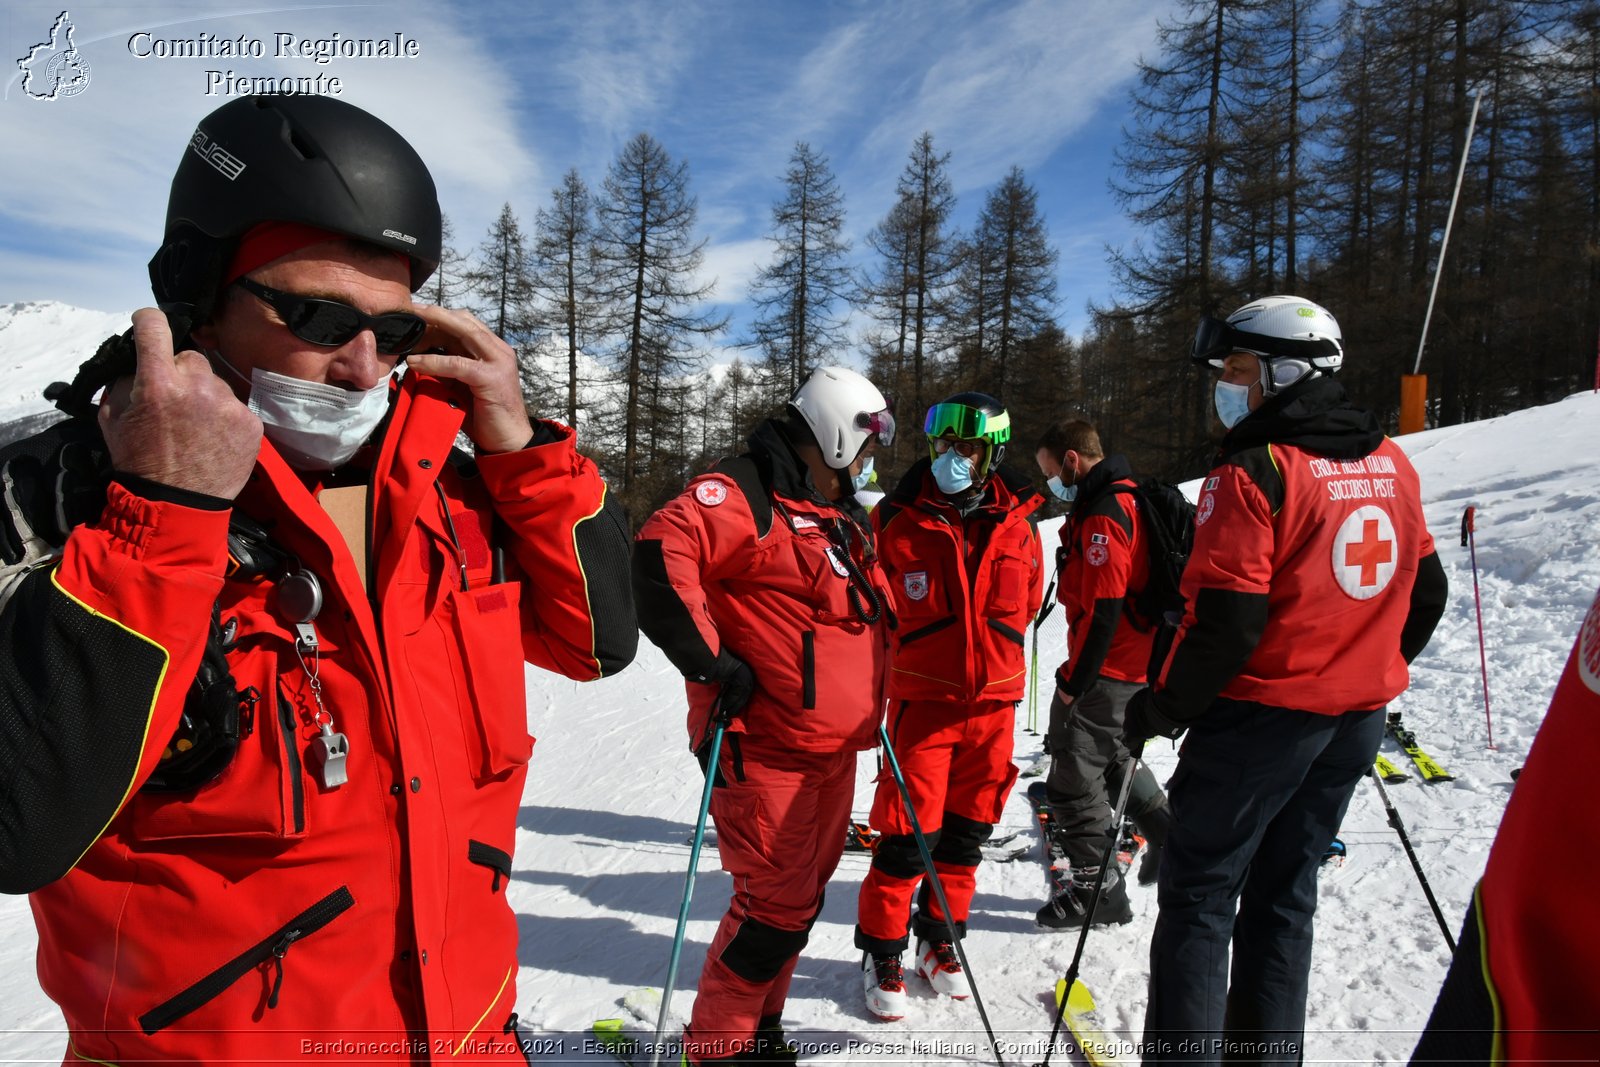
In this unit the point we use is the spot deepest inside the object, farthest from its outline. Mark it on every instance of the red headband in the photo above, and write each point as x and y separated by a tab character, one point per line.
267	241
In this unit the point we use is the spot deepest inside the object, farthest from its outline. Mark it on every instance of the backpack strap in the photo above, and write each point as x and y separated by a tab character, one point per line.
743	472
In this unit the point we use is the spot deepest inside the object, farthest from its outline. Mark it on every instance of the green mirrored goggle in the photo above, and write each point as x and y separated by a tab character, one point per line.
967	423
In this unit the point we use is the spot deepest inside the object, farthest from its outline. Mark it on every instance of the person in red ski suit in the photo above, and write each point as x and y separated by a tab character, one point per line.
1522	987
1104	567
264	748
1312	584
961	556
761	585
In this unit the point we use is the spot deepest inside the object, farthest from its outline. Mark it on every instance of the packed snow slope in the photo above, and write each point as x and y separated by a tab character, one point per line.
603	841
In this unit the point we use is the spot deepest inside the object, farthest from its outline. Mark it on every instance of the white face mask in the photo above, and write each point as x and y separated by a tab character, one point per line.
315	426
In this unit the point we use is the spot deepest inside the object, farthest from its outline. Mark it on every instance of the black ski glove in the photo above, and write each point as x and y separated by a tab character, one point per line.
1144	719
736	682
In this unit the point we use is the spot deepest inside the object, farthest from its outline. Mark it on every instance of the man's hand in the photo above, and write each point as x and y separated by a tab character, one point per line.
1143	720
1064	697
176	422
737	684
471	354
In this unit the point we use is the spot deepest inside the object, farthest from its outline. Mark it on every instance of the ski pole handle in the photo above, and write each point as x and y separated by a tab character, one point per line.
1468	524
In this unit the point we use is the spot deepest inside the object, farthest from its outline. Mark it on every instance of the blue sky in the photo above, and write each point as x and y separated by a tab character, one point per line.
504	97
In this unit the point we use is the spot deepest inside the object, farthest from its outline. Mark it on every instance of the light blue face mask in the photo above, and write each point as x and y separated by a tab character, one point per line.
1232	401
953	473
1069	493
860	480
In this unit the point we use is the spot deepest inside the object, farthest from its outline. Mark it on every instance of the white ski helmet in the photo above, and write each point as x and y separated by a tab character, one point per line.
1294	338
843	409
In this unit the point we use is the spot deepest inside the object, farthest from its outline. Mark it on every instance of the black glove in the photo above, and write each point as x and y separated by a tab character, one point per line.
1144	719
736	682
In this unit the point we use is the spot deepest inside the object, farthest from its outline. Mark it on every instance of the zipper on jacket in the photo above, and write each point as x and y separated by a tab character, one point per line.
274	948
932	628
292	760
489	856
996	624
808	669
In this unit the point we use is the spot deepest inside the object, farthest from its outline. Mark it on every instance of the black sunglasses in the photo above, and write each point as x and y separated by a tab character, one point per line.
332	323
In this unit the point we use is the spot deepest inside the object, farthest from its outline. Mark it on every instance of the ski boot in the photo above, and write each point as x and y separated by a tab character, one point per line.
884	984
1068	909
938	963
771	1046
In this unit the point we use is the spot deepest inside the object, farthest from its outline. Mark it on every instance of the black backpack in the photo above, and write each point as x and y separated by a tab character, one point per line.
1169	537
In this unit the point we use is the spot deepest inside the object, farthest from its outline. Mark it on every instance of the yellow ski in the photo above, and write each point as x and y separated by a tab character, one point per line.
1084	1025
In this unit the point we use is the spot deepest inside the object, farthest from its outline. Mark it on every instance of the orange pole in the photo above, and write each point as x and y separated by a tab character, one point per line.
1413	402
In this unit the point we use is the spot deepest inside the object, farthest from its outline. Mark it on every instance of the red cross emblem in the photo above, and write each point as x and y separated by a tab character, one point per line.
1369	552
1365	552
1589	648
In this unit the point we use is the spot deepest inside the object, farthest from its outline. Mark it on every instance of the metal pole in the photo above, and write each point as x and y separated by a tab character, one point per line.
1094	903
1477	98
938	887
688	888
1399	828
1469	538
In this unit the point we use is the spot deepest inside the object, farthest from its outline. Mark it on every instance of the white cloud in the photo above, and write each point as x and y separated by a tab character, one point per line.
733	266
1014	84
96	167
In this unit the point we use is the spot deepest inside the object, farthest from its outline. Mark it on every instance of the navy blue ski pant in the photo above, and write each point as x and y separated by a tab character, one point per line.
1258	795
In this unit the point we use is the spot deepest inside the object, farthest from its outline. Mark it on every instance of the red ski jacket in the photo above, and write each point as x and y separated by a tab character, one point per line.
750	558
1104	565
964	589
261	916
1539	933
1302	590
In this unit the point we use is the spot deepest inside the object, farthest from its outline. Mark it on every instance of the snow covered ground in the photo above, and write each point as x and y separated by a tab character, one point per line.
604	829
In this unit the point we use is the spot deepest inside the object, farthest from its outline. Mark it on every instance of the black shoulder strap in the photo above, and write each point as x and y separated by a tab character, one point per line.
743	472
1126	517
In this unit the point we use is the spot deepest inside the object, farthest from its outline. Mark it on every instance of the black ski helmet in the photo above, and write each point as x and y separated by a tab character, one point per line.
972	416
313	160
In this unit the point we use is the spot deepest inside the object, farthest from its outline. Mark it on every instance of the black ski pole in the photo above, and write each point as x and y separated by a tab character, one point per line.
938	887
1399	828
1094	904
1047	606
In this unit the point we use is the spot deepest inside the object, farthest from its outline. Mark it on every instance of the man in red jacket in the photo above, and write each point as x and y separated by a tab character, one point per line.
1312	584
262	644
1104	567
760	584
962	560
1522	987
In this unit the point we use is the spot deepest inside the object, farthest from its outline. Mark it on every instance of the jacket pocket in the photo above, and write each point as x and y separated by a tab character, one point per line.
493	858
1009	584
259	795
913	636
808	669
1009	633
273	948
487	625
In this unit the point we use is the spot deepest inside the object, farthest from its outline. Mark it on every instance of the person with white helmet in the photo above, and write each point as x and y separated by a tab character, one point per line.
1312	584
263	626
761	585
